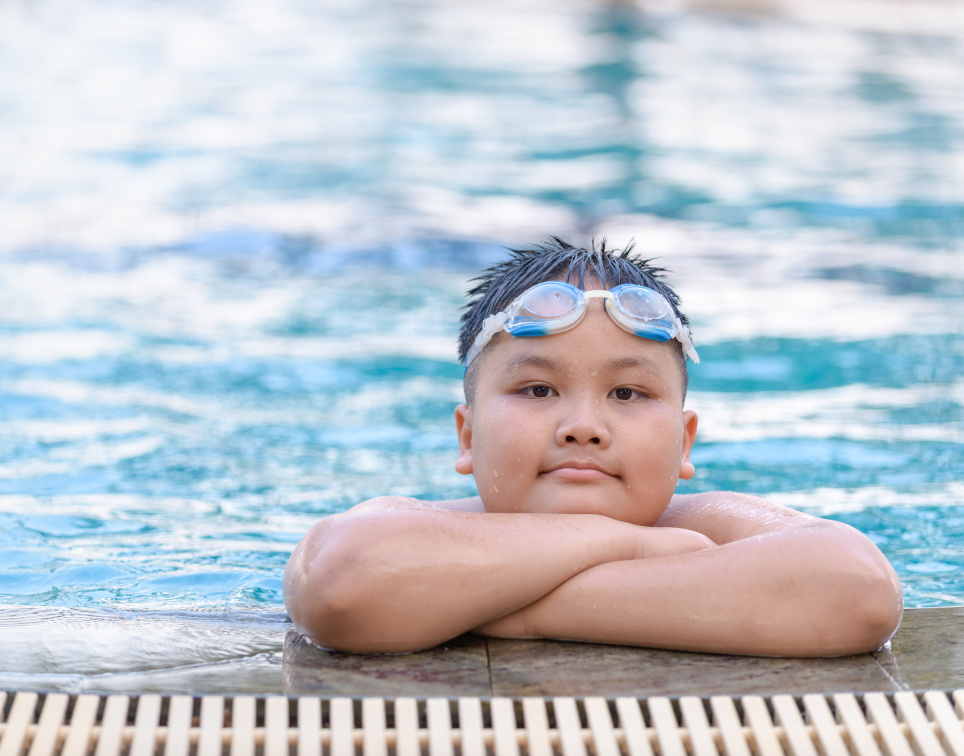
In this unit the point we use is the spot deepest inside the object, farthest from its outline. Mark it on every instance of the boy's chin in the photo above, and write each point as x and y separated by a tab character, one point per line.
580	502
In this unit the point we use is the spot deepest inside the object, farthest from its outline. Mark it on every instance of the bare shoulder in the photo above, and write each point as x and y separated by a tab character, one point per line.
726	516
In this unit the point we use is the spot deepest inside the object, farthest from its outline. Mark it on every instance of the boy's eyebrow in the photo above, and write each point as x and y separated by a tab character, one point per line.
533	360
642	363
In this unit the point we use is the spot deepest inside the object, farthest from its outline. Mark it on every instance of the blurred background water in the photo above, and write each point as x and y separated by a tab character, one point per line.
236	236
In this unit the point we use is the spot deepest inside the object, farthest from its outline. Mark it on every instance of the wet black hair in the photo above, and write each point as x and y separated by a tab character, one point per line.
557	260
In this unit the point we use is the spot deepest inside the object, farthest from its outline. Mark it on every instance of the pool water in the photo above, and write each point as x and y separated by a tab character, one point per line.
236	238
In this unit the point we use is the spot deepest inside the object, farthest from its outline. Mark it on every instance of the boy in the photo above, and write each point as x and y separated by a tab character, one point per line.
575	431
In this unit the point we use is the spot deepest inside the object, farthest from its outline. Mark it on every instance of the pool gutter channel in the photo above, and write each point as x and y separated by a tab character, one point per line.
869	724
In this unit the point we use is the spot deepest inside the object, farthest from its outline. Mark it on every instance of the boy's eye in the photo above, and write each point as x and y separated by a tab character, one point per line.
625	394
538	392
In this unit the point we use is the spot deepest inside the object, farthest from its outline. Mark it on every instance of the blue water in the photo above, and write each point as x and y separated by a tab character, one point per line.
236	239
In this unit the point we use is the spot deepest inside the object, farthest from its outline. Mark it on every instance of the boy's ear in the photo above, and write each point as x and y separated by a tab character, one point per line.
463	427
686	468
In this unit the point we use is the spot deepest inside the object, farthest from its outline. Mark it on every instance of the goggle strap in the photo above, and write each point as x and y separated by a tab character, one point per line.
683	336
490	327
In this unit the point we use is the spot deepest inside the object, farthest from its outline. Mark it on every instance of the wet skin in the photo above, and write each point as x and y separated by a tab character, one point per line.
590	420
560	430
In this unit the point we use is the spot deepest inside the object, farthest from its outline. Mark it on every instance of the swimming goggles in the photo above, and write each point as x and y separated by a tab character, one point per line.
557	306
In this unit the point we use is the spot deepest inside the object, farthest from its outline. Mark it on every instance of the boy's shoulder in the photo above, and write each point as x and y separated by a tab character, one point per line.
726	516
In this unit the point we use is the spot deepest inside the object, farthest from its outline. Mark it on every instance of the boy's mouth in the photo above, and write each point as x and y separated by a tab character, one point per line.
578	470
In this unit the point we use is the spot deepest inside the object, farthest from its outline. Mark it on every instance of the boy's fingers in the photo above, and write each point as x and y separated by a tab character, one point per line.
668	541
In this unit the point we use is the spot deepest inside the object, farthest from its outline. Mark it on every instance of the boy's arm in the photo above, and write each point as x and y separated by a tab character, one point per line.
396	574
779	583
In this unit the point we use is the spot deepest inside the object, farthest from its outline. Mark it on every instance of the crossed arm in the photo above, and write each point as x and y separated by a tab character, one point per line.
718	572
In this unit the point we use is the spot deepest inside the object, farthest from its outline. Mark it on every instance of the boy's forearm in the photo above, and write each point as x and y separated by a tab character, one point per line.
408	579
829	593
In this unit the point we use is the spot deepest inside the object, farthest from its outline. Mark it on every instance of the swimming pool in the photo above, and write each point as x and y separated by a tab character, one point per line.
236	240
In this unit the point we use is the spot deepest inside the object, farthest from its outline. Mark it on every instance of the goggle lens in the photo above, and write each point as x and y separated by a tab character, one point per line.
549	301
641	304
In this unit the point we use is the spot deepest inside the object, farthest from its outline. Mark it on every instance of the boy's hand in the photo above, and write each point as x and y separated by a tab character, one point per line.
659	542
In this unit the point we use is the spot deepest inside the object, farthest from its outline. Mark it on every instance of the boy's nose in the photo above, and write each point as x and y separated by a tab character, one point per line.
583	424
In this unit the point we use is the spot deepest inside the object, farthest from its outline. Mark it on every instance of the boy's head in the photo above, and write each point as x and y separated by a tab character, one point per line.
556	260
587	416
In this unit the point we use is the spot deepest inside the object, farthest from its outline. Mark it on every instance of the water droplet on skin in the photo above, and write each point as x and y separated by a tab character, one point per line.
495	473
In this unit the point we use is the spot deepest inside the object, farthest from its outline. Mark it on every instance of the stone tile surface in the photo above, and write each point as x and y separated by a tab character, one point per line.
548	668
457	668
928	649
81	650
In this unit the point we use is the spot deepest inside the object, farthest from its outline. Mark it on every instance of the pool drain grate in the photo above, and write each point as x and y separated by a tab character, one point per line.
872	724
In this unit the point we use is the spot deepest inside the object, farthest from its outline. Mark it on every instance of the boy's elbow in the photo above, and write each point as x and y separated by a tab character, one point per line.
341	598
321	599
877	609
870	604
338	614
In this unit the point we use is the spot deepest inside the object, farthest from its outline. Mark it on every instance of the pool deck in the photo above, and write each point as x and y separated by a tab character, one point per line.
80	651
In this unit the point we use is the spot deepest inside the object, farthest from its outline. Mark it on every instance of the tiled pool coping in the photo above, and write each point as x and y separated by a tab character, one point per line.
259	653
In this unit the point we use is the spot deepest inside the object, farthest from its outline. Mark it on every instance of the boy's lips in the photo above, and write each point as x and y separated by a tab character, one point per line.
578	470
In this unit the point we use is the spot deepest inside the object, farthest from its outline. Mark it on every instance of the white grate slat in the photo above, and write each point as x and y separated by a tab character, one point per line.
828	732
212	719
112	726
537	727
21	717
601	727
667	728
940	710
888	730
275	726
406	727
862	741
569	726
81	726
374	736
727	721
439	728
243	716
634	727
309	727
144	740
504	727
698	727
471	725
48	726
180	710
959	703
341	721
923	739
788	717
763	732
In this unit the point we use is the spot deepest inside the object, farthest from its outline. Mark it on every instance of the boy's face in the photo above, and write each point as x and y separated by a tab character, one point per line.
589	420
